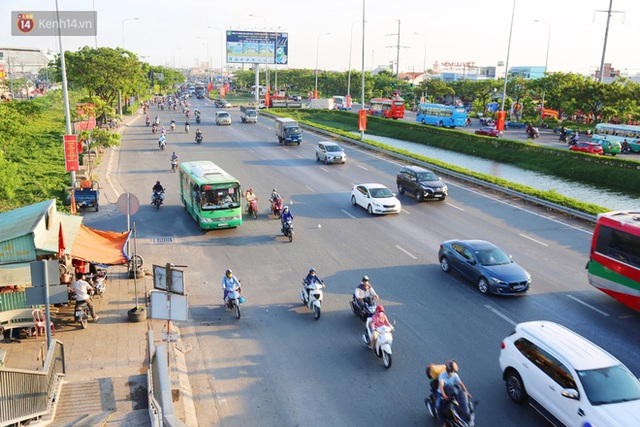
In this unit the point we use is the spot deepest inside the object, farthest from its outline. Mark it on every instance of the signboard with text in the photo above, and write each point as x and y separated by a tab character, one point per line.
257	47
71	153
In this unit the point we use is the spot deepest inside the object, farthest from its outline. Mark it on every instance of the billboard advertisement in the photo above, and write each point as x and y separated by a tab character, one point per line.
257	47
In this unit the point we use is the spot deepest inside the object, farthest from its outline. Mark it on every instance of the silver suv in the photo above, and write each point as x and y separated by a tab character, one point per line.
330	152
568	379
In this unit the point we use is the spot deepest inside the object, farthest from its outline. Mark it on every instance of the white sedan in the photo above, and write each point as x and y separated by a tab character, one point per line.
375	198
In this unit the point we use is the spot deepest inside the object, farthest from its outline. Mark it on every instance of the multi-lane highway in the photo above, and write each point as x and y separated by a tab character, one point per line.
276	365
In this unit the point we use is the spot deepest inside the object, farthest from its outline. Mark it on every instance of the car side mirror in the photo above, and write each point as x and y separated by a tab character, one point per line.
571	393
471	261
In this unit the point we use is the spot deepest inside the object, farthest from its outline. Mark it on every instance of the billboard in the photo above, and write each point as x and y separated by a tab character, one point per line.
257	47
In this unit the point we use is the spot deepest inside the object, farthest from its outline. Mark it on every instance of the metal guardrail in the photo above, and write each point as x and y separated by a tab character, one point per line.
25	394
465	178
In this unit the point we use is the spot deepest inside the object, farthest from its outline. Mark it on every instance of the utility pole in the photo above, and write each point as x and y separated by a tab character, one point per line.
606	35
397	47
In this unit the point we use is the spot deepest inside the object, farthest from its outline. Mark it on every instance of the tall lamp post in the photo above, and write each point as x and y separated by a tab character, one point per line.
315	92
424	58
362	85
506	67
123	21
221	48
546	64
349	74
206	42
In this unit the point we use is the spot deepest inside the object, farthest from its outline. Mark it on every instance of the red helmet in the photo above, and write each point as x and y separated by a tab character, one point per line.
379	309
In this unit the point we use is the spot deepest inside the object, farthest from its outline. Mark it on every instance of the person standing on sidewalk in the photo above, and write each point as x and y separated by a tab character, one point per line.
82	289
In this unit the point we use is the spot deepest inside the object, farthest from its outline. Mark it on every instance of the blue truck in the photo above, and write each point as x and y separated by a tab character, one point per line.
86	194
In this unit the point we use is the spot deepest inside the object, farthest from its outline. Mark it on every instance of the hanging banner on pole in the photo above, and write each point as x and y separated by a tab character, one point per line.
71	153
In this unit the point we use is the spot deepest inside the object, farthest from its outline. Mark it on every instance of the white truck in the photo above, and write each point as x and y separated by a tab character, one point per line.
321	103
288	131
248	114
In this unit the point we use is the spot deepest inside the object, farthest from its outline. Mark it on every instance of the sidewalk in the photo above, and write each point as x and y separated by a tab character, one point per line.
106	364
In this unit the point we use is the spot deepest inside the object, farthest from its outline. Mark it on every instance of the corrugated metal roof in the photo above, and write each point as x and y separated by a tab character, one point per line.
24	220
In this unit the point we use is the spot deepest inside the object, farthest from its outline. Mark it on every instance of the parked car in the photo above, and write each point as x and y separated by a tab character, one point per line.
484	264
567	378
375	198
330	152
420	182
487	131
609	146
223	118
587	147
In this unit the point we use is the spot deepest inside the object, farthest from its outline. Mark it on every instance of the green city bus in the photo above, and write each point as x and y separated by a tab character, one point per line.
210	195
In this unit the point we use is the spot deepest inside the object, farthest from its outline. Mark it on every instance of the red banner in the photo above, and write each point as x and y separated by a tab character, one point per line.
362	120
71	153
502	116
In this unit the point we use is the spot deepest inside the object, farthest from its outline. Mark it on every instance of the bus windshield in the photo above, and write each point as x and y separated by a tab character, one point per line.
224	198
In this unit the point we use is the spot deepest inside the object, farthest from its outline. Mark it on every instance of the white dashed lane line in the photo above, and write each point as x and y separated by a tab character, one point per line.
406	252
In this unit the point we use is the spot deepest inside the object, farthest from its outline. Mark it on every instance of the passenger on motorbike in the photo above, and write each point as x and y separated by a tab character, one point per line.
378	320
364	291
311	279
229	283
285	217
447	378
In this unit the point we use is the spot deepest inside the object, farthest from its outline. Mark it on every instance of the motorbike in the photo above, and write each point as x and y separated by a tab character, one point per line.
288	230
154	129
198	138
158	198
312	300
173	125
253	208
81	313
467	121
533	133
234	299
174	165
363	312
162	143
383	343
461	411
626	148
186	128
98	281
147	121
563	137
276	207
574	139
198	119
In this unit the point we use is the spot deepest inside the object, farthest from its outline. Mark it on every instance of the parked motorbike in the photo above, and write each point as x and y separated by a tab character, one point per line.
383	343
288	230
234	299
98	281
533	133
365	311
461	411
158	198
253	208
312	300
276	207
198	138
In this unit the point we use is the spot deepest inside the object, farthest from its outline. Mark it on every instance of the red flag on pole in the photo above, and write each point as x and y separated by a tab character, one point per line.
61	246
73	208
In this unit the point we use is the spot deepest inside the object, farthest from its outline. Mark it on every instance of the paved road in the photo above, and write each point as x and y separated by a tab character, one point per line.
281	367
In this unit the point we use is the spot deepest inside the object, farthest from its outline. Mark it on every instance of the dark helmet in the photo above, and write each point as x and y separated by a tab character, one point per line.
274	190
312	270
451	366
157	182
379	309
365	278
228	272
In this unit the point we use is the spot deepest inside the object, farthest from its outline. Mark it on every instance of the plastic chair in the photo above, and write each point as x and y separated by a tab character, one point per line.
40	321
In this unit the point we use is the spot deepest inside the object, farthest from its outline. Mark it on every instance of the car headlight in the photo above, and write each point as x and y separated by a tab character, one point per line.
498	281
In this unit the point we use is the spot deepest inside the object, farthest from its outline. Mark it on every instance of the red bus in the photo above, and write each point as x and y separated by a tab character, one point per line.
388	108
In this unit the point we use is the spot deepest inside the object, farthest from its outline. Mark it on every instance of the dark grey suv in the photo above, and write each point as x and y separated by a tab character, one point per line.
420	182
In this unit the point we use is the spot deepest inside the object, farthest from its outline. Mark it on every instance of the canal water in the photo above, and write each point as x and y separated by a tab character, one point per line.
584	193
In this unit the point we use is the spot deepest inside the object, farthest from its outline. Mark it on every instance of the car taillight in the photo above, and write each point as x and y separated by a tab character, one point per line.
502	345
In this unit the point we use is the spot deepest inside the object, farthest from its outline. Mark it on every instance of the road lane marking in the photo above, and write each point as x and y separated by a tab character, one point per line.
533	240
588	305
299	156
362	167
455	207
310	189
407	252
347	213
324	169
283	171
499	314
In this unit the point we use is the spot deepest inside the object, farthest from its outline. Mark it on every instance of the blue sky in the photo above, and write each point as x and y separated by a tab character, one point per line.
176	32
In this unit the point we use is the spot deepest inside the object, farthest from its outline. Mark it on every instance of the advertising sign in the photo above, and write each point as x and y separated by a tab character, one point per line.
48	23
257	47
71	153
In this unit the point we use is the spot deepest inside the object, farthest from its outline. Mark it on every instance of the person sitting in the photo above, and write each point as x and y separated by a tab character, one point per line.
286	216
364	291
82	288
229	283
157	189
311	279
378	320
446	379
274	196
249	197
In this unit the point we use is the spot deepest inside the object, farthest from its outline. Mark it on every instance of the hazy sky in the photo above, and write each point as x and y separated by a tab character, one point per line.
176	32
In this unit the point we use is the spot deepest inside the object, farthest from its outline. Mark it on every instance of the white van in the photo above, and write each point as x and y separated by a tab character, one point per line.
223	118
567	378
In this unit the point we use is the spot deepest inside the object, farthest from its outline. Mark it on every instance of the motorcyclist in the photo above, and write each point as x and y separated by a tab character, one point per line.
285	217
198	134
82	289
530	129
378	320
173	125
174	158
574	138
229	283
249	197
157	189
163	131
563	134
274	198
156	120
364	291
147	120
186	126
311	279
447	378
162	141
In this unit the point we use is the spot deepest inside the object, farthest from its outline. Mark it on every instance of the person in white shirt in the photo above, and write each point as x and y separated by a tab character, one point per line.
82	289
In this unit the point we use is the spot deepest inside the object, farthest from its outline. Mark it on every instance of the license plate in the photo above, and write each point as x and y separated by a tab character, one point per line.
78	313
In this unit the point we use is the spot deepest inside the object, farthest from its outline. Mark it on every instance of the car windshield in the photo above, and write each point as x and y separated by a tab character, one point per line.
224	198
333	148
380	193
223	115
427	176
492	256
614	384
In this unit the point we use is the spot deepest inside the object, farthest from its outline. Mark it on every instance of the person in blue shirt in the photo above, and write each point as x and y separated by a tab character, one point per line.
229	283
284	217
311	279
447	378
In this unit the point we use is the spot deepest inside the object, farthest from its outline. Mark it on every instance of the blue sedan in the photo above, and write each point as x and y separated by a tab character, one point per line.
484	264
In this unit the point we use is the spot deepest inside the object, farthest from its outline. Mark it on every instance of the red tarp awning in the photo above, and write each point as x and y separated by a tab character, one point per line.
100	247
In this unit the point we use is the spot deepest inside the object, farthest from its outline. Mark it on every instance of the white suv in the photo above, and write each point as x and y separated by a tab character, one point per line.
571	381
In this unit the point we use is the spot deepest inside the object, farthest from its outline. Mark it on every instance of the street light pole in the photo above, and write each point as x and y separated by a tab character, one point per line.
424	60
221	49
350	49
506	67
362	83
546	64
123	21
315	92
